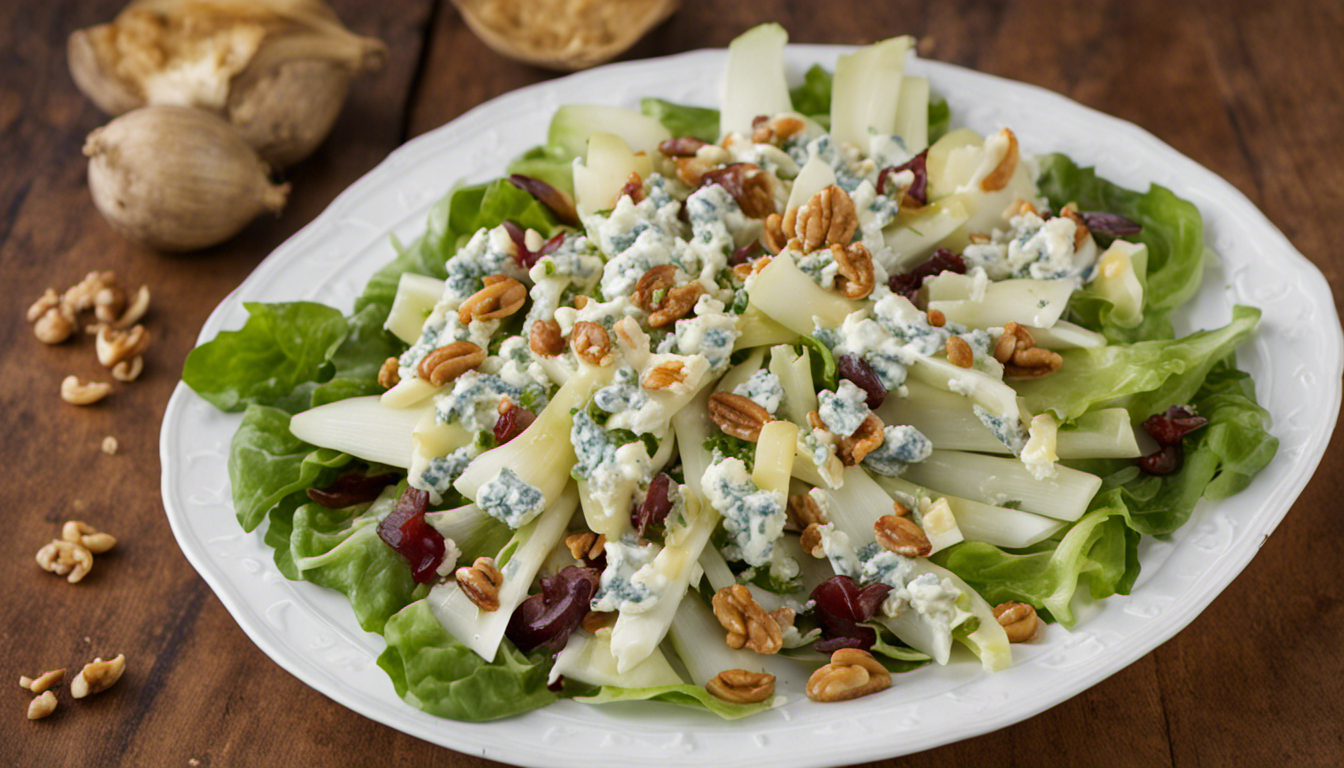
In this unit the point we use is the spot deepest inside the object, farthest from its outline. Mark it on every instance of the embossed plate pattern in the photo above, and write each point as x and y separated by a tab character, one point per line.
311	631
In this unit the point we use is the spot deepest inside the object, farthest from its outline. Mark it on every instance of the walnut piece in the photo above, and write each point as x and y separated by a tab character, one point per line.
66	558
114	346
53	326
810	541
900	534
804	510
586	545
854	270
129	370
545	339
44	681
501	297
828	218
775	130
80	532
853	448
773	237
747	622
677	304
1021	358
852	673
1003	172
1018	620
42	706
389	374
446	363
959	353
480	581
665	375
591	343
97	676
738	416
740	686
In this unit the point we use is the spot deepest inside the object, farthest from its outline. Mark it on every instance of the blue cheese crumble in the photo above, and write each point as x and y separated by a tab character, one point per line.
753	518
844	410
474	400
1009	432
488	252
901	446
1032	247
510	500
631	582
763	389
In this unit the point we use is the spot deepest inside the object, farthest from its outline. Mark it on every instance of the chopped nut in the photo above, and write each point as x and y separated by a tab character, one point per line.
481	583
899	534
389	375
677	304
773	237
79	532
114	346
1003	172
751	188
681	146
109	445
66	557
97	676
1018	620
46	680
852	673
595	620
854	270
653	286
742	687
738	416
810	541
804	510
936	318
665	375
978	238
747	622
898	509
959	353
501	297
853	448
54	326
129	370
446	363
1033	362
25	682
580	302
135	310
784	617
586	545
545	339
109	303
1081	230
776	130
690	170
42	706
80	297
828	218
591	343
50	300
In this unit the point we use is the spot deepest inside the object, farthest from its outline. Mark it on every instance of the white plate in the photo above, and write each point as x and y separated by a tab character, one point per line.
1295	359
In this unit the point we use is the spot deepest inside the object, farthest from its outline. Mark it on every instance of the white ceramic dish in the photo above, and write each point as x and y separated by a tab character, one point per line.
1295	359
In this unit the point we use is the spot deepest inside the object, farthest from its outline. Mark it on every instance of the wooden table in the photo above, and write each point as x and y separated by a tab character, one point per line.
1250	90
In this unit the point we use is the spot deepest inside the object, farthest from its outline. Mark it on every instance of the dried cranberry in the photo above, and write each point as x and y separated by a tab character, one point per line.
1173	424
682	146
560	203
745	254
511	423
351	488
841	607
918	191
657	503
857	370
557	685
406	532
908	283
527	258
1163	461
1112	224
546	620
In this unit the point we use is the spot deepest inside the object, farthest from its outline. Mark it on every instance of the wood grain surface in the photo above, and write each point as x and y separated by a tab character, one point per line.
1253	91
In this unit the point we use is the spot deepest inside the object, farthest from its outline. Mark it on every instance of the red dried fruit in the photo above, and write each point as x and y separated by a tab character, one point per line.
918	191
682	146
351	488
841	607
908	283
406	532
1112	224
511	423
547	619
560	203
1163	461
652	512
857	370
527	258
748	186
1173	424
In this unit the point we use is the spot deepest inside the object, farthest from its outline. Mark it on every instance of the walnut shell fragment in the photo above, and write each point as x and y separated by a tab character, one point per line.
565	35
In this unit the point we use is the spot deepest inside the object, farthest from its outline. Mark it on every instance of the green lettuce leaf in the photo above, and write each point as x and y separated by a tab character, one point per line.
433	671
268	464
341	549
356	362
684	695
1146	377
682	120
1173	230
940	118
813	97
277	358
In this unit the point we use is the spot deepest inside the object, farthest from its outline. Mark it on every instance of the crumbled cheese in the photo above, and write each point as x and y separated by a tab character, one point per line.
631	582
763	389
902	445
844	410
753	518
474	401
441	472
510	500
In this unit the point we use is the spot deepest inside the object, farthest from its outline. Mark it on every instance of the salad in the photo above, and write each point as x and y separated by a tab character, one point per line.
696	399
